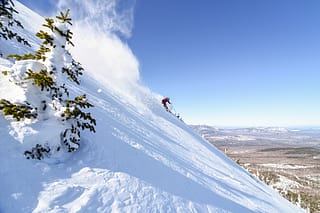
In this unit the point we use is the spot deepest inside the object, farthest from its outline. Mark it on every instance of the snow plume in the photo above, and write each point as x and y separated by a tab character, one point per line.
97	27
107	15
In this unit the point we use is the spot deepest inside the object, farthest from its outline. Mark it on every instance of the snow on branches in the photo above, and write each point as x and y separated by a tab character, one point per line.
42	77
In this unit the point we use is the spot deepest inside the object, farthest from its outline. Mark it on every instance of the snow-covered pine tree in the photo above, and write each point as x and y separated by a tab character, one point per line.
42	76
8	21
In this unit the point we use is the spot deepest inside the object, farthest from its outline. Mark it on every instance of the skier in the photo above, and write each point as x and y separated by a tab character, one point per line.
165	101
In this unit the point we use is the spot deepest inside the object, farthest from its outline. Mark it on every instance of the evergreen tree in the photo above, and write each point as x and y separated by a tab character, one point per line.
55	66
7	22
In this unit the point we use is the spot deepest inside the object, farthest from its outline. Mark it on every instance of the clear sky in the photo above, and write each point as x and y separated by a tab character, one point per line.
231	62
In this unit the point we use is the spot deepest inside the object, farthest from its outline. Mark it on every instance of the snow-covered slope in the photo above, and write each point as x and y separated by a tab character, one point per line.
30	27
141	159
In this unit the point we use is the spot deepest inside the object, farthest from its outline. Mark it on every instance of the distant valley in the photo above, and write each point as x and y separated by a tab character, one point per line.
286	159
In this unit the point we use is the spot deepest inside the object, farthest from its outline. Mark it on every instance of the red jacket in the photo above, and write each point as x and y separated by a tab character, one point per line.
166	100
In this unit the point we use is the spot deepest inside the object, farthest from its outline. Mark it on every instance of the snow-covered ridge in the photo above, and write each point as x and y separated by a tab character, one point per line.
206	128
267	130
141	159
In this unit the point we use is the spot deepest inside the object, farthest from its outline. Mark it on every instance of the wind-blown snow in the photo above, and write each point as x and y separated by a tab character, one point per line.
115	16
105	56
141	159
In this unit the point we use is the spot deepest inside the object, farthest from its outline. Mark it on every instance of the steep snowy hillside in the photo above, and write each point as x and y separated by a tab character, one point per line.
141	159
30	27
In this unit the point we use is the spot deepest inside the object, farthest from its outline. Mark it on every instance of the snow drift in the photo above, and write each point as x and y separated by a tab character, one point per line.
141	158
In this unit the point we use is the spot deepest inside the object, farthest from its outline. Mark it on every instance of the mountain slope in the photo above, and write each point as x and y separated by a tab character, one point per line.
141	159
28	32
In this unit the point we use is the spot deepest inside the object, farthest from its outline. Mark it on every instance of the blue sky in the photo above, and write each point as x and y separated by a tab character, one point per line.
230	62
